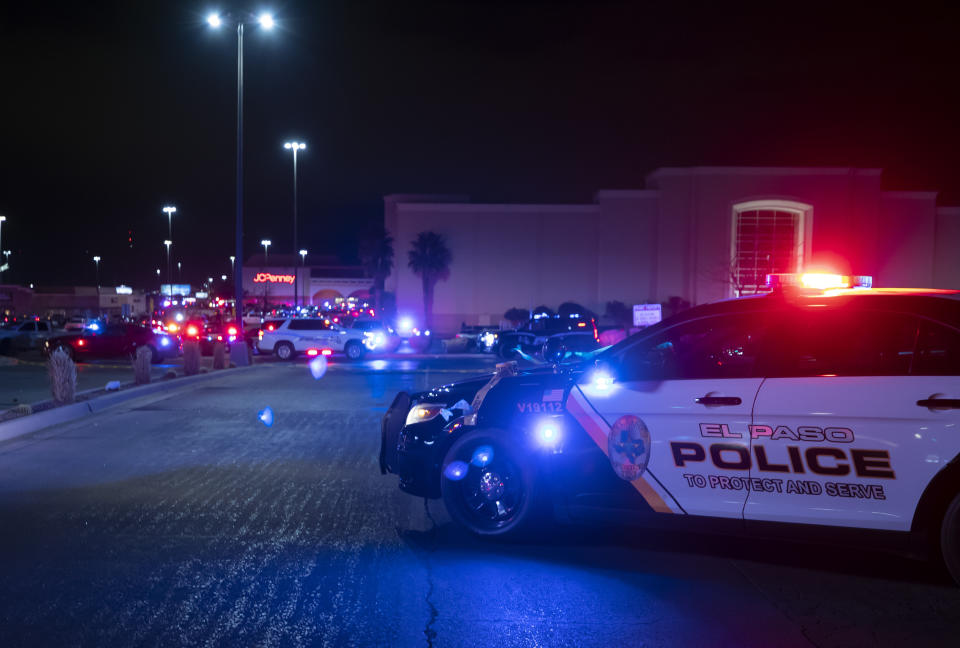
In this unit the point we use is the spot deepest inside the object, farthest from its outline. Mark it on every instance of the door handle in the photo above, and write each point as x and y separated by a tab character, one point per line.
940	403
718	400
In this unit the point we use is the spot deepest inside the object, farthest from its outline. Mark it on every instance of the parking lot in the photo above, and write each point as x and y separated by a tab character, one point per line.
181	519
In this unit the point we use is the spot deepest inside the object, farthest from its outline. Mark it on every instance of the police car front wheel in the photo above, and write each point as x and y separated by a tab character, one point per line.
950	538
489	488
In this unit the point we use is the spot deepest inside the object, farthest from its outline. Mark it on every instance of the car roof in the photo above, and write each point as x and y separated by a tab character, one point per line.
942	305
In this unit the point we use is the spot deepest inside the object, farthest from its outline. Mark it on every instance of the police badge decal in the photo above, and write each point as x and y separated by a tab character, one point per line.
628	446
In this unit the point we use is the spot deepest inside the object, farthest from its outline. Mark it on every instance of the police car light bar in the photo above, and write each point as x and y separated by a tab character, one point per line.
817	281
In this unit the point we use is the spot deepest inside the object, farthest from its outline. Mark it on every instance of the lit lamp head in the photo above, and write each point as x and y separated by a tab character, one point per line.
169	210
214	20
266	20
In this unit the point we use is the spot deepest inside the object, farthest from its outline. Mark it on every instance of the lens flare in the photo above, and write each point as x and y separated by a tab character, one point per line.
455	470
318	367
482	456
266	416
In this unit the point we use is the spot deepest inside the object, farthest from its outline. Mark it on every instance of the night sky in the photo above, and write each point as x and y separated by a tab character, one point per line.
111	110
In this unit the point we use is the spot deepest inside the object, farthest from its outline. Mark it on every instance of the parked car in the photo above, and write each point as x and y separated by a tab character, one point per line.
565	346
829	414
531	337
312	336
378	335
113	341
23	336
75	323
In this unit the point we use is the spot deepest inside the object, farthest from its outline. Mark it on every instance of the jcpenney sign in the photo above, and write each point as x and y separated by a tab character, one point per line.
266	277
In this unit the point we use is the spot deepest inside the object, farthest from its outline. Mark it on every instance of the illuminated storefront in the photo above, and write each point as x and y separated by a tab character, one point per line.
692	235
277	279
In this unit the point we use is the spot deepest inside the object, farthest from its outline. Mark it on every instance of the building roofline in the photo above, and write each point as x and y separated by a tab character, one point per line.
625	193
757	170
910	195
495	207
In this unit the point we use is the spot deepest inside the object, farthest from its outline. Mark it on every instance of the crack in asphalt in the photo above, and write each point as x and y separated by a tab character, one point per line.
428	630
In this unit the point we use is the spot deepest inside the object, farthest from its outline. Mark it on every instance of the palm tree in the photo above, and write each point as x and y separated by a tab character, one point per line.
430	258
376	255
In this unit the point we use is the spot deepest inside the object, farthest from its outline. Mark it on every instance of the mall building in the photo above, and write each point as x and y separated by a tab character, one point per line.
695	234
278	278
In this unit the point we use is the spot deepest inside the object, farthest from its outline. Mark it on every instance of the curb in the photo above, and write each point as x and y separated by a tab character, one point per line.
64	414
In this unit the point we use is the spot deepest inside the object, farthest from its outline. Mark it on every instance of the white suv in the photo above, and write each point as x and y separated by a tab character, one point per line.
311	336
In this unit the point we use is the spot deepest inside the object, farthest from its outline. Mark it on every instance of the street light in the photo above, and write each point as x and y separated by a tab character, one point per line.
266	243
303	260
2	218
179	273
295	146
170	211
168	243
266	21
96	262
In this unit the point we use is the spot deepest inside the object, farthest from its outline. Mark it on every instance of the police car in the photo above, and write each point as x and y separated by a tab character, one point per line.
312	337
834	412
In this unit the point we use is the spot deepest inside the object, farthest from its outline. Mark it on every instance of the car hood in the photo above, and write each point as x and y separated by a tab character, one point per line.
465	389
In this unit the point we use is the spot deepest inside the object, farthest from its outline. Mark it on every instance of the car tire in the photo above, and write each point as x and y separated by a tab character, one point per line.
500	499
353	350
950	538
284	351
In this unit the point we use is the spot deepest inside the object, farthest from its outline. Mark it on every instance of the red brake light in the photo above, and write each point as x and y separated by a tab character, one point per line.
81	342
269	327
192	331
312	352
232	330
327	352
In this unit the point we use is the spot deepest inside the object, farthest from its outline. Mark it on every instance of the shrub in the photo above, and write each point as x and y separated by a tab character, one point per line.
620	313
141	365
516	316
219	356
63	377
191	357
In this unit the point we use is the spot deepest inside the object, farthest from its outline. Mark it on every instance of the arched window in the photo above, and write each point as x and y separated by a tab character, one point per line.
768	237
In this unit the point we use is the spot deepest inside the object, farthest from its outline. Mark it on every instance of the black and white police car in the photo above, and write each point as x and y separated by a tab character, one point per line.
835	412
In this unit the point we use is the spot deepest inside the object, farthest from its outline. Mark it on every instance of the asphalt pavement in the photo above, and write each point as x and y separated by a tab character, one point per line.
181	519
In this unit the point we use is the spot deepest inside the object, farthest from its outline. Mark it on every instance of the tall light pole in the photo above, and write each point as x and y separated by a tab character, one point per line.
169	210
303	261
295	146
168	243
2	219
96	262
266	243
215	20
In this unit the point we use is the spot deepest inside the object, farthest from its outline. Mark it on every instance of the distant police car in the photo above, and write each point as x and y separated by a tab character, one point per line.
832	411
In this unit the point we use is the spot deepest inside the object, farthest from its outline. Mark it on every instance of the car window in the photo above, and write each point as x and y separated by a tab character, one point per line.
43	326
308	325
722	346
28	326
938	350
843	342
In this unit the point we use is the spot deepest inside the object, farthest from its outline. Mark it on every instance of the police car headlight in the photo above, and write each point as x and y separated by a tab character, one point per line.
424	412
